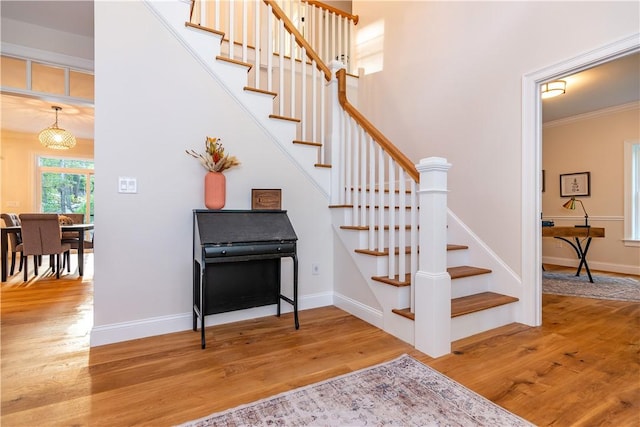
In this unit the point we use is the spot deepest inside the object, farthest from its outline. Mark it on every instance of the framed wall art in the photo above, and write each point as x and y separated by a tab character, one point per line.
575	184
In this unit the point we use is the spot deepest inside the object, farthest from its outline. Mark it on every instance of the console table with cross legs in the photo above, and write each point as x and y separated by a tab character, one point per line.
579	235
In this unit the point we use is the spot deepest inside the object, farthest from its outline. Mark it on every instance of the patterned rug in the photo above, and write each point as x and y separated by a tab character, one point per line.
402	392
612	288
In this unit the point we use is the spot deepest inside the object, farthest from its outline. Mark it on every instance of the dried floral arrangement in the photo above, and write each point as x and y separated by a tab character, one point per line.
214	159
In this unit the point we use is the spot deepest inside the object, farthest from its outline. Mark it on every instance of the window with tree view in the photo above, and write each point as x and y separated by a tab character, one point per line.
66	186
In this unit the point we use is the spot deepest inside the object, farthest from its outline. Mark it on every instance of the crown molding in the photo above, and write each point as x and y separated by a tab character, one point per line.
593	114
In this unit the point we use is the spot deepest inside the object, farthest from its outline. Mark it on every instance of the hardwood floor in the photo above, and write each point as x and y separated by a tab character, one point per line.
581	367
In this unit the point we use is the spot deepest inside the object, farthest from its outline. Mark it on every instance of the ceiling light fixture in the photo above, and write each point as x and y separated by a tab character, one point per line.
56	138
551	89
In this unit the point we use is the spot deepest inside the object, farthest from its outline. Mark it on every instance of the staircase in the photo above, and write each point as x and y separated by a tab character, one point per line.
483	291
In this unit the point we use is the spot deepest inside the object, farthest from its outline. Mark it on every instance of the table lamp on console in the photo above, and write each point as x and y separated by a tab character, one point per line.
571	204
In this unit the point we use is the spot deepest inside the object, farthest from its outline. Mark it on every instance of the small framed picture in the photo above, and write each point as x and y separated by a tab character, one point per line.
575	184
266	199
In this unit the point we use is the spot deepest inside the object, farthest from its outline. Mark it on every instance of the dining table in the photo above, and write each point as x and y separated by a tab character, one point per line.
77	230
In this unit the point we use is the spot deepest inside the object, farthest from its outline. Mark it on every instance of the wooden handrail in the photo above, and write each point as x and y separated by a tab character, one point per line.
386	145
329	8
300	40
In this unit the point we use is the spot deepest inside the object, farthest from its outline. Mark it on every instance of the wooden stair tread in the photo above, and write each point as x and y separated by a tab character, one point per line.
466	271
478	302
377	190
366	207
312	144
261	91
454	272
458	271
291	119
322	165
404	312
234	61
207	29
467	305
366	227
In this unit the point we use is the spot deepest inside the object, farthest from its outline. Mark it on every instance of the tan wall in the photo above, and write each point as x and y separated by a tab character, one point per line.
591	143
18	152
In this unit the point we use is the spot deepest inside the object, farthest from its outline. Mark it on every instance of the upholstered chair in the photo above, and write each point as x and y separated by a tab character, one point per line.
15	239
41	236
72	237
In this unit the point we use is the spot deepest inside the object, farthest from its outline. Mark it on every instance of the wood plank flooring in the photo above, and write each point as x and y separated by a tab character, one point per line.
580	368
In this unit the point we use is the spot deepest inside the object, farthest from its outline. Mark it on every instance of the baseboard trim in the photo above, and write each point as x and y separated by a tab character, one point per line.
594	265
143	328
359	310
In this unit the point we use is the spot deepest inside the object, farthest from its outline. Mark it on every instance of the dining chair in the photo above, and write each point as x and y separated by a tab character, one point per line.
15	239
41	236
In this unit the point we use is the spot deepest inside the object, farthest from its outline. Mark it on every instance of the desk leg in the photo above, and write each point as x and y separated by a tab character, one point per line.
295	291
4	244
583	258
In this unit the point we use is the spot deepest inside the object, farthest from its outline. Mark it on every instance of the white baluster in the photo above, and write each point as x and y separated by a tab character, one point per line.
380	204
245	27
392	217
363	176
292	67
303	96
232	28
269	49
217	14
402	223
372	193
414	240
258	51
281	98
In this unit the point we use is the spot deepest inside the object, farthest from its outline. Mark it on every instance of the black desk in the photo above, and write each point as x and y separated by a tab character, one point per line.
79	229
576	233
236	261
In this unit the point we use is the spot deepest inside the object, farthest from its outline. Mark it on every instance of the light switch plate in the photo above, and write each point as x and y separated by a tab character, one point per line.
127	185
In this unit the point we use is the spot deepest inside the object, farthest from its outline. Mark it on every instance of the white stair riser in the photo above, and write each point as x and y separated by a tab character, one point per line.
471	285
354	216
457	257
391	297
474	323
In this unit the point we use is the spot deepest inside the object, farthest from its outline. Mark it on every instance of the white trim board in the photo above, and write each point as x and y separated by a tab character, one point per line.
532	163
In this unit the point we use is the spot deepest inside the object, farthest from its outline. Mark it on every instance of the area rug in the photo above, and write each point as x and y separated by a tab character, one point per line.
611	288
402	392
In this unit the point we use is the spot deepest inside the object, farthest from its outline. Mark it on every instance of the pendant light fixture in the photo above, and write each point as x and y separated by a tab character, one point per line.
56	138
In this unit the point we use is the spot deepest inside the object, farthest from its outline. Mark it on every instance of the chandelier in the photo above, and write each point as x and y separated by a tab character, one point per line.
56	138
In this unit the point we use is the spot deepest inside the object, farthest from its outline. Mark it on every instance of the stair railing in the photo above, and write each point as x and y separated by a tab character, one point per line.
299	84
379	182
326	29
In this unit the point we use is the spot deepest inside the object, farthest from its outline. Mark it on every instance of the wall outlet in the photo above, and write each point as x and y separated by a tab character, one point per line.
315	269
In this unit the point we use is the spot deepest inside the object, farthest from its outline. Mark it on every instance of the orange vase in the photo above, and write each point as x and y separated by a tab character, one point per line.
215	190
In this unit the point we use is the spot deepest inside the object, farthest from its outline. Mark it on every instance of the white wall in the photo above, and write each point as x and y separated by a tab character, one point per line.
153	101
451	86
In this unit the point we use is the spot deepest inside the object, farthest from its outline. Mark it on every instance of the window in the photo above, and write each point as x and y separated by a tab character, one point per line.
632	193
66	186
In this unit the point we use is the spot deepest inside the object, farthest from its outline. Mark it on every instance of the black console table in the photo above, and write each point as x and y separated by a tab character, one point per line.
236	261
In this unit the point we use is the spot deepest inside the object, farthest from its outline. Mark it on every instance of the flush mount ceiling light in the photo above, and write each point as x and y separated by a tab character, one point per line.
56	138
551	89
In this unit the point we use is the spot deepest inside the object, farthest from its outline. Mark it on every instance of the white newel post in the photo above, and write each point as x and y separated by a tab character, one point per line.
432	282
334	133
